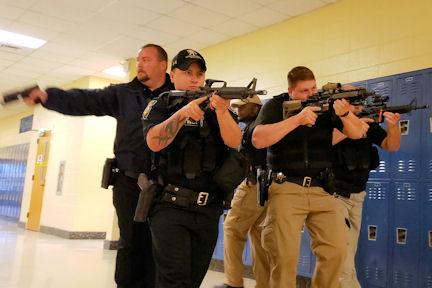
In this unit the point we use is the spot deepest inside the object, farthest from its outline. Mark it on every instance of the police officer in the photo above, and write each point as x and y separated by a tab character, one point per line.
125	102
353	159
245	215
192	143
298	153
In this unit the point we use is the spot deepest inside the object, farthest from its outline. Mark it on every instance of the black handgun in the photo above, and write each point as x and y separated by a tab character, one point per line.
264	181
18	94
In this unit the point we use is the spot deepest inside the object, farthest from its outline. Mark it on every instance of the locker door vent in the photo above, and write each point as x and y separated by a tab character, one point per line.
407	166
403	279
406	193
430	195
376	192
374	273
304	261
429	281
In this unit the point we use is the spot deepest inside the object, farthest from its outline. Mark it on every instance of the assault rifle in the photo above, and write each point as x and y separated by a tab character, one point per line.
177	97
325	99
18	94
377	107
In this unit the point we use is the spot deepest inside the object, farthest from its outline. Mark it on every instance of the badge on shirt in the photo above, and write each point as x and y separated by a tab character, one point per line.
148	109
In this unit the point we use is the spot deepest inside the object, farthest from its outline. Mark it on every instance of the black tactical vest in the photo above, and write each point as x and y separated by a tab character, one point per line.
303	150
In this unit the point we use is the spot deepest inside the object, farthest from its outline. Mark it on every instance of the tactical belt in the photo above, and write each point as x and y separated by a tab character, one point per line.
305	181
186	197
131	174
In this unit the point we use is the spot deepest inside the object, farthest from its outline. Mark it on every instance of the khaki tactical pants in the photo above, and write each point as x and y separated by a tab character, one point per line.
244	217
352	210
289	207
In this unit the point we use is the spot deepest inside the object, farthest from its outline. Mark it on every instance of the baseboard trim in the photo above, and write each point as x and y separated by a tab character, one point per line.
110	245
73	235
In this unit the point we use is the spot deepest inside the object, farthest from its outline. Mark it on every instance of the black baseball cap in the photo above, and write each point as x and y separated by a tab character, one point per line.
185	58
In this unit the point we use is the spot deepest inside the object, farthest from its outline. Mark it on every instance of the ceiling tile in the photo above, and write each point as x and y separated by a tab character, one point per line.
263	16
194	15
19	3
32	30
229	7
160	6
294	7
148	35
10	12
49	55
65	10
264	2
46	22
128	13
234	28
173	26
10	56
210	37
123	47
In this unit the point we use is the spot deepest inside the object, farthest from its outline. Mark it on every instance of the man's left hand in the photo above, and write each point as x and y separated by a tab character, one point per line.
391	118
341	107
218	103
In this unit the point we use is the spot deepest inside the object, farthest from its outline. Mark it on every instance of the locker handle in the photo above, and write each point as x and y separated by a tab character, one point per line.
401	235
372	232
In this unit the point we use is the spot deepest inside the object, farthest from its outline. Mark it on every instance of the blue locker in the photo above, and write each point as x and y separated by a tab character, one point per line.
306	263
247	256
427	128
404	234
382	86
357	84
373	241
426	237
406	163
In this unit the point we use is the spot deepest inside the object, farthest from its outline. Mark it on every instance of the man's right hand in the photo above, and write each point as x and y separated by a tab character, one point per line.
307	116
36	94
192	109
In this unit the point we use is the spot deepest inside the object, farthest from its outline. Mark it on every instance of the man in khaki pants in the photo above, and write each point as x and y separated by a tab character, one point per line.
246	215
298	154
353	159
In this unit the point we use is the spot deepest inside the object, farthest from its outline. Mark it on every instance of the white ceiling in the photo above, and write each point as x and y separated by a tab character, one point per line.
85	37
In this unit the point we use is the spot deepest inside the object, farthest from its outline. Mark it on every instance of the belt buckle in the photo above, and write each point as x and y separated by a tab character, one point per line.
307	181
202	198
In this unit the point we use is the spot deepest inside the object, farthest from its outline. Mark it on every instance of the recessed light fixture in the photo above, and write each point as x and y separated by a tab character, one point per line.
116	71
20	40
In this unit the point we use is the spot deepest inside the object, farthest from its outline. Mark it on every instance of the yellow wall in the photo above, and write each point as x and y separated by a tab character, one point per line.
348	41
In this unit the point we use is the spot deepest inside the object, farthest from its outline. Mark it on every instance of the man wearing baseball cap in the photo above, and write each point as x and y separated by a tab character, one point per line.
245	215
190	145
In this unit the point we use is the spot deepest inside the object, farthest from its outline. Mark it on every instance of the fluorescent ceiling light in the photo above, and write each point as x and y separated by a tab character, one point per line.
116	71
20	40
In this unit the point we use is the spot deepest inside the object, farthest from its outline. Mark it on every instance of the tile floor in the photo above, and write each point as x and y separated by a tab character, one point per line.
36	260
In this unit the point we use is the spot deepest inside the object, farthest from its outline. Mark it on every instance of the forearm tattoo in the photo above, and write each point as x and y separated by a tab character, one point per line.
170	130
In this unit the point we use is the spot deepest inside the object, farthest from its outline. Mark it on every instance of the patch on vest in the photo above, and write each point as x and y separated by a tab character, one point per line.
148	109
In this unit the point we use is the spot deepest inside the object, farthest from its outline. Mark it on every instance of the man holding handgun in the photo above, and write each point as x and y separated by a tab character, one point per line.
246	216
191	142
298	154
125	102
353	159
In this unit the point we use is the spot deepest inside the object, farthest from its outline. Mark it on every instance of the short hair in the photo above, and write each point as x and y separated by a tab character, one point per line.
162	54
299	73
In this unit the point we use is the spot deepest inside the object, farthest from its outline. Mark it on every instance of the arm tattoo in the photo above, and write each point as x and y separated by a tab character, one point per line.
170	130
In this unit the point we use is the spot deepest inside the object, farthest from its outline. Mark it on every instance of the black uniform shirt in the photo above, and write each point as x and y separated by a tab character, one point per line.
355	158
173	160
257	157
305	151
125	102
